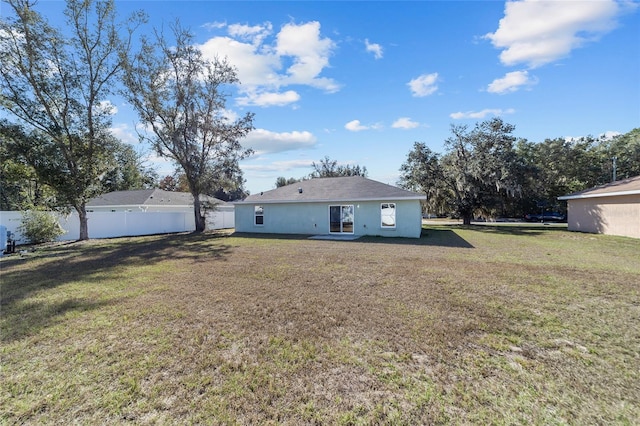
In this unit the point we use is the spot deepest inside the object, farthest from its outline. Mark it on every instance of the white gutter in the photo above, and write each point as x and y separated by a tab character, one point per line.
130	206
330	200
599	195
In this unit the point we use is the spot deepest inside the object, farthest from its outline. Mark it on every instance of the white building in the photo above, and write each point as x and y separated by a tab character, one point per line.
158	200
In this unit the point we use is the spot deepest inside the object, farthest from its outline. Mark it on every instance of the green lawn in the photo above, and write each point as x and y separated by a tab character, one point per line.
481	324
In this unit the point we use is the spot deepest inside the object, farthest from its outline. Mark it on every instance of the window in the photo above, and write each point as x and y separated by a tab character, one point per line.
388	215
259	215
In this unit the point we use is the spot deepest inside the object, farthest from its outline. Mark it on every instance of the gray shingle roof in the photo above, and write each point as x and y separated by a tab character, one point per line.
352	188
622	187
147	197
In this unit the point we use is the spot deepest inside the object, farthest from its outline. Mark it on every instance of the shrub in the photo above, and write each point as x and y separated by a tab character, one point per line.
40	226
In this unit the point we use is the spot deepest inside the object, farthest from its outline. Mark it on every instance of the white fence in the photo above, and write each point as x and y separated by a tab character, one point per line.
122	224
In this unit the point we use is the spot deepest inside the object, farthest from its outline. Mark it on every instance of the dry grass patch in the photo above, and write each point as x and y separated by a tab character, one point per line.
466	325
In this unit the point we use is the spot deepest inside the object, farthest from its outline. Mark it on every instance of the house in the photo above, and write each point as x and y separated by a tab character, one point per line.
348	206
612	209
145	200
158	200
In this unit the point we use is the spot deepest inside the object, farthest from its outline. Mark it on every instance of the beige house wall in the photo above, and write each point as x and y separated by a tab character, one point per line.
617	215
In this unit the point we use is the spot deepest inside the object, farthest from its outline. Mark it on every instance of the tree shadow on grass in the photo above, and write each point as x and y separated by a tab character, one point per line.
267	236
514	229
430	237
96	260
20	320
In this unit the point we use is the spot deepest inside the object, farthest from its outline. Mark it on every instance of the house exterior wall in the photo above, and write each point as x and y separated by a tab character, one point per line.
617	215
313	218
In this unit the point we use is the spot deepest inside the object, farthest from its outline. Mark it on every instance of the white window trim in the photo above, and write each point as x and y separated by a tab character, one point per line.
395	219
255	216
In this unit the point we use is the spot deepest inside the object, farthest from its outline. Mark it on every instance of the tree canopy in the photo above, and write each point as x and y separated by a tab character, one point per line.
327	167
486	172
324	168
56	85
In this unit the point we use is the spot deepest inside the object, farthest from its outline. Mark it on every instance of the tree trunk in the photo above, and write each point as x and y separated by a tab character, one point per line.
84	222
201	224
466	219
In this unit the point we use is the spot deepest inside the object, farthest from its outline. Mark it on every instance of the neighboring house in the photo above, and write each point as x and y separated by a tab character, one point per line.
146	200
612	209
158	200
353	206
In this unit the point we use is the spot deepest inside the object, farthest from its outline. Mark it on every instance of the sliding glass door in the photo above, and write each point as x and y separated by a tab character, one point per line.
341	219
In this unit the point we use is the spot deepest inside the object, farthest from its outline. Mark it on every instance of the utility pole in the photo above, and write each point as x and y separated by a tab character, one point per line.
614	168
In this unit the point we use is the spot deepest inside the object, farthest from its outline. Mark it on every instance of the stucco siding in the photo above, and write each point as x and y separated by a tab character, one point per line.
313	218
617	215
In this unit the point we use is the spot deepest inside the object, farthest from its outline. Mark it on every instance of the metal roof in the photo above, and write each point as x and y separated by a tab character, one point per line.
351	188
629	186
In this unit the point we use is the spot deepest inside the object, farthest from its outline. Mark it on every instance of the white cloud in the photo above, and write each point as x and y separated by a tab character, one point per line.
309	52
256	67
610	134
266	142
125	134
511	82
268	98
424	85
255	34
107	107
539	32
215	25
297	54
356	126
480	114
374	48
404	123
230	115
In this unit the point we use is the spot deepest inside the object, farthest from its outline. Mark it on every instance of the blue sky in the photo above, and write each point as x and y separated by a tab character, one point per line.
361	81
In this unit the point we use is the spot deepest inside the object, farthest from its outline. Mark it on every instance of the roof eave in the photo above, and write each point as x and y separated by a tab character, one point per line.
331	200
137	205
598	195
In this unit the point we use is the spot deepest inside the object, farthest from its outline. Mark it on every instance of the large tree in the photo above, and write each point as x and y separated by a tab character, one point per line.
20	187
283	181
421	172
128	170
56	85
179	95
26	166
327	167
480	167
557	167
621	152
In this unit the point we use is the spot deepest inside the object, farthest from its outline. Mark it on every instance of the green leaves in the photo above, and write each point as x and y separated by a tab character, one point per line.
54	83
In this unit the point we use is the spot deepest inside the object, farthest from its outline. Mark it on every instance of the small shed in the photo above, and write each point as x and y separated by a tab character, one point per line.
612	209
346	206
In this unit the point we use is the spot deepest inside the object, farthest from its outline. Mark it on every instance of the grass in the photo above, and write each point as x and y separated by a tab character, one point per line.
482	324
